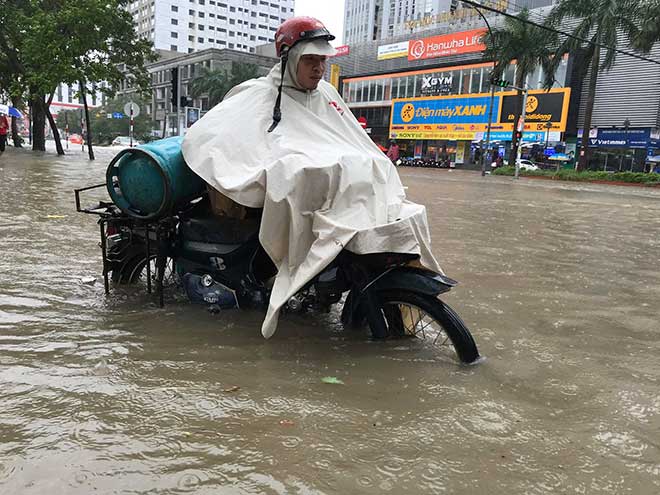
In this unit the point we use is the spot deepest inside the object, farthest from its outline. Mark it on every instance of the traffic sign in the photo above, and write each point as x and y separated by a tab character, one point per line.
117	115
136	109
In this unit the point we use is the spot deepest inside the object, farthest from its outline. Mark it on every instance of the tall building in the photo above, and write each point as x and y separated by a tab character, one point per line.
374	20
362	20
187	26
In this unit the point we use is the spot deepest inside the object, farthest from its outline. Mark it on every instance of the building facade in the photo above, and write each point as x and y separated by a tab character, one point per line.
379	20
186	26
68	97
407	85
159	108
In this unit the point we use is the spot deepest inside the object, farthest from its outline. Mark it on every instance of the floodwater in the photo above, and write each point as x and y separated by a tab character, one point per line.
559	285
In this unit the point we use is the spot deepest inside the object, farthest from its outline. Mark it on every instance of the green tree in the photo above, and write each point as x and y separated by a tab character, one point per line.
650	27
47	42
70	118
600	22
217	83
107	129
529	46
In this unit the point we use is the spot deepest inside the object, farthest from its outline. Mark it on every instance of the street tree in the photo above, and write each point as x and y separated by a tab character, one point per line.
217	83
650	27
600	22
530	47
82	42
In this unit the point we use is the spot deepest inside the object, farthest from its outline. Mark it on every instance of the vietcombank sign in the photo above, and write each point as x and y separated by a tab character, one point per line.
463	117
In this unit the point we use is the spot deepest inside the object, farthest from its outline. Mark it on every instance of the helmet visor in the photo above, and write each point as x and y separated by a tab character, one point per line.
317	47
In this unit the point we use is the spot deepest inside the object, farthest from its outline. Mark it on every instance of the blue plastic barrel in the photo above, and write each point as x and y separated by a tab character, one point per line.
151	180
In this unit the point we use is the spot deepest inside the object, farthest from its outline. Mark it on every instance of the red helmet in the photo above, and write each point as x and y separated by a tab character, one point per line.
297	29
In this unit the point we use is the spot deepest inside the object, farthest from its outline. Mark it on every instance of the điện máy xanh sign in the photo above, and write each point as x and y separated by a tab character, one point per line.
448	117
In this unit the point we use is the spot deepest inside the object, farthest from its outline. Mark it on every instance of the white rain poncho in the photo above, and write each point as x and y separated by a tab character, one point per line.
323	184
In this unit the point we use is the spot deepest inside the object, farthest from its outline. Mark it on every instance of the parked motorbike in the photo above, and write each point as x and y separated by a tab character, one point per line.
219	262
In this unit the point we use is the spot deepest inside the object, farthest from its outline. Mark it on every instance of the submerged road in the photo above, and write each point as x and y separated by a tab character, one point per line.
559	284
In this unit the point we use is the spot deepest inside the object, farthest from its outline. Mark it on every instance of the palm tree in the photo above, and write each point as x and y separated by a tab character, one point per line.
599	22
650	27
529	46
217	83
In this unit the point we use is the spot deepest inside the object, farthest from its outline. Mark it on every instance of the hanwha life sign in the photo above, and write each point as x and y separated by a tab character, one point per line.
446	44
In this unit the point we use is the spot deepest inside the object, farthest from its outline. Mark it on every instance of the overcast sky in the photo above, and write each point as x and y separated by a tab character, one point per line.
329	12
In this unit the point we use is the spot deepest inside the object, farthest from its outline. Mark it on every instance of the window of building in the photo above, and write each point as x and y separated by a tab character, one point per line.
201	14
191	38
211	14
232	9
175	8
232	21
200	39
231	45
175	22
202	2
232	33
211	28
200	27
174	48
223	5
174	34
190	50
222	30
211	40
253	14
222	18
253	37
261	38
191	12
191	25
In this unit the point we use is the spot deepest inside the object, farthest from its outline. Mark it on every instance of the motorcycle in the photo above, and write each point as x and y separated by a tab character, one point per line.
219	262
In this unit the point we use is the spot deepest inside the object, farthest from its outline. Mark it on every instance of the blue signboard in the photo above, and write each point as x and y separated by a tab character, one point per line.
450	112
622	138
528	137
117	115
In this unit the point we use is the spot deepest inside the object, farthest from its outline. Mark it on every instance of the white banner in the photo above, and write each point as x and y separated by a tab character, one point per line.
394	50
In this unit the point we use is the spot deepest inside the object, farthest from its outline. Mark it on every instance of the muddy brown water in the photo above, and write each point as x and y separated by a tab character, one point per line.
560	285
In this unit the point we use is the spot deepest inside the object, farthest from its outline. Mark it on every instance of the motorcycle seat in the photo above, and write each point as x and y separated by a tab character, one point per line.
219	230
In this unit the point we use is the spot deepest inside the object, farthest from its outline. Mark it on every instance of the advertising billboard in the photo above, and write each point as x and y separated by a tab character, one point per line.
465	117
394	50
542	107
441	117
342	51
446	44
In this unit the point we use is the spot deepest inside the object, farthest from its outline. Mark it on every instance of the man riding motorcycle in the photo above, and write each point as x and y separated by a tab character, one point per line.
288	144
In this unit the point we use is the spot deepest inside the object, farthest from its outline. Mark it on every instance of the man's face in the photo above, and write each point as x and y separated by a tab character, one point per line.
310	70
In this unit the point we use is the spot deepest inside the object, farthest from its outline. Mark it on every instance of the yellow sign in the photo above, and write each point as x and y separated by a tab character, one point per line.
448	135
407	112
334	75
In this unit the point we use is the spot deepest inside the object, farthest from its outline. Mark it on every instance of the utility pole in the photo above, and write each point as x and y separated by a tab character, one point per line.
490	123
521	129
178	107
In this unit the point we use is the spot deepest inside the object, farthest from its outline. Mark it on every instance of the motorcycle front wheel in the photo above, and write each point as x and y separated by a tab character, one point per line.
413	315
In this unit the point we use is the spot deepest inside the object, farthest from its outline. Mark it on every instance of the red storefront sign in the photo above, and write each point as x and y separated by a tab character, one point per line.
446	44
342	50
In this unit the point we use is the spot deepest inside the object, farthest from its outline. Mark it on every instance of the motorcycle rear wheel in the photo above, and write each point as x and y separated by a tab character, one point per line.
413	315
